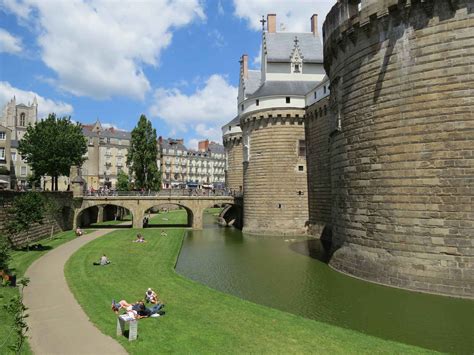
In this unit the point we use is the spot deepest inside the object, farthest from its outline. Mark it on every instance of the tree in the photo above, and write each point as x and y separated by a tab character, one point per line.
28	209
52	146
5	253
142	155
122	182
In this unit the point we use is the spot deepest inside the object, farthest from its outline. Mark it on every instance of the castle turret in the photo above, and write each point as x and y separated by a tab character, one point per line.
272	123
402	142
232	139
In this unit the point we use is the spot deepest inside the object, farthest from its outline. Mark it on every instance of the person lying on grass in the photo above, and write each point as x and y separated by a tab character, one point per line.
137	310
140	239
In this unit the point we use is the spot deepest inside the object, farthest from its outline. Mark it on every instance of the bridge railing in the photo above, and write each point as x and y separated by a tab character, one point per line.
162	193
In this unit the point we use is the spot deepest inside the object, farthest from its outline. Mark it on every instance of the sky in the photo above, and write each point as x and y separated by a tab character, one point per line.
176	61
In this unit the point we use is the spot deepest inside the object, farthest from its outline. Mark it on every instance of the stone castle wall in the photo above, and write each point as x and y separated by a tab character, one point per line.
234	178
59	219
402	79
275	190
317	129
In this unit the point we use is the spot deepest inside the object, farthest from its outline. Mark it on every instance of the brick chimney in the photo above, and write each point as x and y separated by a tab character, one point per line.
203	146
271	23
244	66
314	24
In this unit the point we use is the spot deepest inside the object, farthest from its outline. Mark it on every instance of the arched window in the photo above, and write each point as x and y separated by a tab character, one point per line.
22	119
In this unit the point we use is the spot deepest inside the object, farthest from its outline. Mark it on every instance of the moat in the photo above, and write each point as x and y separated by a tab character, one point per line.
288	274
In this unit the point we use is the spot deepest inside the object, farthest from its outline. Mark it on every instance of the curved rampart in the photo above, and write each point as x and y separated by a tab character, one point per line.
275	190
402	166
234	178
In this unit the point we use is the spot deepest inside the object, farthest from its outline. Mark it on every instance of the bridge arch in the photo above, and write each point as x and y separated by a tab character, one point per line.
98	213
160	214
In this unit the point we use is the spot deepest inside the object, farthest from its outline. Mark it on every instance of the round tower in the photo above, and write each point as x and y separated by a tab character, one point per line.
232	139
402	164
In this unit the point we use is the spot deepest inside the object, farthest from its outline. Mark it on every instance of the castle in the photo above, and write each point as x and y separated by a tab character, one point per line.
389	139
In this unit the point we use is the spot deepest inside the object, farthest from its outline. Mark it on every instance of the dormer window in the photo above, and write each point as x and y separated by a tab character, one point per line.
257	102
297	68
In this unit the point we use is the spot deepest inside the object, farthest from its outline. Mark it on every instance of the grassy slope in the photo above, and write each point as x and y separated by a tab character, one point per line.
198	319
21	260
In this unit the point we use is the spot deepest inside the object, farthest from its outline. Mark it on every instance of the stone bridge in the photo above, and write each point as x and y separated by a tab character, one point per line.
138	205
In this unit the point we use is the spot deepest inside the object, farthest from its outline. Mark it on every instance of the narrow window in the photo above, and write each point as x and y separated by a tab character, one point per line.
300	168
324	88
257	102
2	153
315	94
3	136
242	107
297	68
288	100
301	148
22	119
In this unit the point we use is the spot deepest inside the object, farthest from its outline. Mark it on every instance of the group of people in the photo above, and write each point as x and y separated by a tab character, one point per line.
139	310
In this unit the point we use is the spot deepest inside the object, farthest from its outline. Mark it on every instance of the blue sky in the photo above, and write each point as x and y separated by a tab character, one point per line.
174	61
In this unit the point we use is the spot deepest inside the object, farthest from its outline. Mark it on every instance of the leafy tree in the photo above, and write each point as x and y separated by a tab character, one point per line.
142	155
122	182
52	146
28	209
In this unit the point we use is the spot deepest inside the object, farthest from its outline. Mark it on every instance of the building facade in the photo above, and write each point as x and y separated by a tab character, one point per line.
107	150
401	143
15	120
182	167
272	124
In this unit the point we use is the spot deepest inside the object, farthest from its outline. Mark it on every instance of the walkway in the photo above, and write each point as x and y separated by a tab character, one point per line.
57	323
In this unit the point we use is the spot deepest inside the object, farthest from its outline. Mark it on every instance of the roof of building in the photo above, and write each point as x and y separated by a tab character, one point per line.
235	122
216	148
276	88
106	132
173	144
280	45
252	82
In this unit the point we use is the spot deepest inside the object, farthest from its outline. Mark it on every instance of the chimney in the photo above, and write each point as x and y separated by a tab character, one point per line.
244	66
271	23
314	24
203	146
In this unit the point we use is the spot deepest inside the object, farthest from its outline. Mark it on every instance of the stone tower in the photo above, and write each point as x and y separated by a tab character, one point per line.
402	164
17	117
232	139
272	123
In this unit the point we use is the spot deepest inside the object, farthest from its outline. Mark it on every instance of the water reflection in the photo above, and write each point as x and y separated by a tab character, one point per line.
292	275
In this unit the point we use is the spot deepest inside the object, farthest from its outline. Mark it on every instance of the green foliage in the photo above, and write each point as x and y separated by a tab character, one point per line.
17	309
34	180
5	253
52	146
4	170
28	209
142	155
122	182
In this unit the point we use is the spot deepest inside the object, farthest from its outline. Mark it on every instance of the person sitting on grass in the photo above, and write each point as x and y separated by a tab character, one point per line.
140	239
151	296
103	261
79	232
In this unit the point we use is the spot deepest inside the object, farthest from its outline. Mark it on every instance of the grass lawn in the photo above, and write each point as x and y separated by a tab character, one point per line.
127	218
198	319
170	217
21	260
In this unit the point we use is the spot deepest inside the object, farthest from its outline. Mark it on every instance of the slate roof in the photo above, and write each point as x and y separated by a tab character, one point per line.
235	122
173	144
216	148
279	46
252	82
106	133
277	88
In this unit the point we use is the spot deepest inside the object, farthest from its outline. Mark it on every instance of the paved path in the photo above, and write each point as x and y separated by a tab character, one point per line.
58	325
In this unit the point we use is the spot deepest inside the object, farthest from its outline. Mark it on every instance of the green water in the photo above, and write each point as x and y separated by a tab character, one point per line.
280	273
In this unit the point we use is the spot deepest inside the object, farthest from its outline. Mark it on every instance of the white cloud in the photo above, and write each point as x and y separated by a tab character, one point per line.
193	143
45	106
294	15
257	61
207	109
9	43
220	8
98	48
